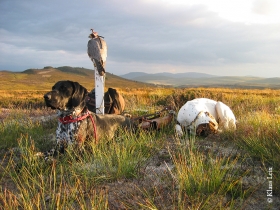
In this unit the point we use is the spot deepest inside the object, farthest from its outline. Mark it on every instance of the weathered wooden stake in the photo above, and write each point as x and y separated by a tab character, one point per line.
99	92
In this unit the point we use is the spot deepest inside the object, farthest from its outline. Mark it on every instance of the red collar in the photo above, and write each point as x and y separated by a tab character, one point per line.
70	119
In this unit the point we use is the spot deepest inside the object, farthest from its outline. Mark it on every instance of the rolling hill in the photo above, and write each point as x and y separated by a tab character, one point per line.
44	79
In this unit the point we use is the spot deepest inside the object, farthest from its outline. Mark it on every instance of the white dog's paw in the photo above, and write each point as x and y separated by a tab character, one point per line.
179	130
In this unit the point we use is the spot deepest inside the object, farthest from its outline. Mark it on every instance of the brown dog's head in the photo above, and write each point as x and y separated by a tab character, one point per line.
66	95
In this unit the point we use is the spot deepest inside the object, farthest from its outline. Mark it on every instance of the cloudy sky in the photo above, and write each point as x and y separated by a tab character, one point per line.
221	37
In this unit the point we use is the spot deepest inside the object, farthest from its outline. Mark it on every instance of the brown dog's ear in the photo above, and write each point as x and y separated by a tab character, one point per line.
79	95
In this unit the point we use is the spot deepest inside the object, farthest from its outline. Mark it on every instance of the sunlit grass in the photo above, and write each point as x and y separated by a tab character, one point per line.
70	182
121	158
196	180
259	134
38	185
19	123
205	180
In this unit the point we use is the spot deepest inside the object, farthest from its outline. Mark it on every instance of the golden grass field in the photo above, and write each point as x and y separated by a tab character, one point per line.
157	170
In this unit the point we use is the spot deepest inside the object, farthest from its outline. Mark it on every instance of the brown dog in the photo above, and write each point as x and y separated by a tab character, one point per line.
75	123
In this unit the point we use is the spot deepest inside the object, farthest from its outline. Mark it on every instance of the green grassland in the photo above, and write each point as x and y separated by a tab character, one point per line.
147	170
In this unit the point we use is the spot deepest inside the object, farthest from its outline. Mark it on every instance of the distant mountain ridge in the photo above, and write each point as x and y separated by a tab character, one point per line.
133	75
194	79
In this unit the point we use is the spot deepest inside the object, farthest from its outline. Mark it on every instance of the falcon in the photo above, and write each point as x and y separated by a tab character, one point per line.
97	51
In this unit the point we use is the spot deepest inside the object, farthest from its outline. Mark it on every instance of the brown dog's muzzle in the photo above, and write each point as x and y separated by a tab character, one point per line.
51	100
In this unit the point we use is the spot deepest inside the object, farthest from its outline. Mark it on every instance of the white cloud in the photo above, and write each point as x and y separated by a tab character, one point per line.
249	11
263	7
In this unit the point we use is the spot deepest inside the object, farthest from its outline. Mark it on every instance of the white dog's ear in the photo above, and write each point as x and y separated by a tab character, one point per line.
227	119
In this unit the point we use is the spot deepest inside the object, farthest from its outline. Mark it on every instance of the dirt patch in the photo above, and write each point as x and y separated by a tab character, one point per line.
34	114
45	72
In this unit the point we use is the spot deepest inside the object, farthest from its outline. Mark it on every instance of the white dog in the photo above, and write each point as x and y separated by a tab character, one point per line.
202	113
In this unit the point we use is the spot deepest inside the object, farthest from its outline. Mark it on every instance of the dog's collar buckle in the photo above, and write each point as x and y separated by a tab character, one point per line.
66	119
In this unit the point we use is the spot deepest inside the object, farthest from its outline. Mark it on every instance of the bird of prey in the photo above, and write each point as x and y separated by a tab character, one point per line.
97	51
